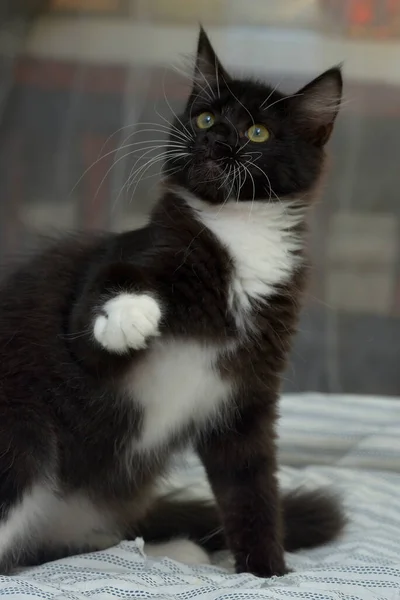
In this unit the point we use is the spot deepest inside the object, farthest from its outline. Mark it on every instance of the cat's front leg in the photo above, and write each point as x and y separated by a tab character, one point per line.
241	467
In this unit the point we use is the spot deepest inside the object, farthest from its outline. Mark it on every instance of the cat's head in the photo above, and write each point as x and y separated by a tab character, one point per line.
240	139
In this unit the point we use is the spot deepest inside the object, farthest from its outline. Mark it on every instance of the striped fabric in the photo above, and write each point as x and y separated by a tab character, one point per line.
345	431
349	443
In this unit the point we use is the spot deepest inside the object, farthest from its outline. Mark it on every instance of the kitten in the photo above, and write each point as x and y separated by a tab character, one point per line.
118	350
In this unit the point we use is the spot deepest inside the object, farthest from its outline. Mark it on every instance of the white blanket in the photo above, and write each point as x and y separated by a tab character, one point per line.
348	442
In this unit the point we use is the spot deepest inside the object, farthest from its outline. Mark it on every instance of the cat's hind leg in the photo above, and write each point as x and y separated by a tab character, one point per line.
47	525
27	454
20	527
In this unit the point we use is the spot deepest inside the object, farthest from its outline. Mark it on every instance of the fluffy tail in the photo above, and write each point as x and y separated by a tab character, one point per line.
311	518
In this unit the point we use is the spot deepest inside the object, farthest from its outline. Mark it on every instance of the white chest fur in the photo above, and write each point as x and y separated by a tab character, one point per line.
176	383
261	242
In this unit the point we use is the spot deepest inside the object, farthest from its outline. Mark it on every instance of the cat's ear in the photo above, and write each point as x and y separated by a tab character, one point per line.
317	105
208	69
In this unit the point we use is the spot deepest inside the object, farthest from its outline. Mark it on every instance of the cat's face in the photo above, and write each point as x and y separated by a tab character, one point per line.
241	140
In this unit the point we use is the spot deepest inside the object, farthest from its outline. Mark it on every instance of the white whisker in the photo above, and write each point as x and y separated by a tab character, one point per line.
254	189
235	128
149	164
167	154
198	70
188	136
281	100
241	104
271	191
272	91
170	107
217	76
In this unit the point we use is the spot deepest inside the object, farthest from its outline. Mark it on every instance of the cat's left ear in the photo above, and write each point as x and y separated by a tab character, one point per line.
208	69
317	105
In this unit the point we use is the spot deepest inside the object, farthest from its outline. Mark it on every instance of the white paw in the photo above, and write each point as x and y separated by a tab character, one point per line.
183	551
128	321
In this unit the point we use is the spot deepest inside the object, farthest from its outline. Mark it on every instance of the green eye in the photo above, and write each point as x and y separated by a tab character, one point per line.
205	120
257	133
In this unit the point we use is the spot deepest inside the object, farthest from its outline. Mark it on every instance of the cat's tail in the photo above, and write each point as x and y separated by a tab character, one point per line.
311	518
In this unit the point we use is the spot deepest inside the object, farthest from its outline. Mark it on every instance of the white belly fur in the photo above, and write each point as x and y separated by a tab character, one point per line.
176	383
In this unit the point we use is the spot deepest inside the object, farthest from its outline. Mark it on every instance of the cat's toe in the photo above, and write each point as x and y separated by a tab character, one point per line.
127	322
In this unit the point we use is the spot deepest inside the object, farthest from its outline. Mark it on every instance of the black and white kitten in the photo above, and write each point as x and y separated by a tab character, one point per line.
118	350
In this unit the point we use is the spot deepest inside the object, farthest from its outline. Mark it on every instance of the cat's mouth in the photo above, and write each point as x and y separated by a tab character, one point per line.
211	167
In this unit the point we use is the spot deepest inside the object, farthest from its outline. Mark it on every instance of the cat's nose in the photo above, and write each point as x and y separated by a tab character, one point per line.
218	148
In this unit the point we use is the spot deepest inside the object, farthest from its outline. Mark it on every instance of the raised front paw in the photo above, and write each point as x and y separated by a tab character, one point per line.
127	322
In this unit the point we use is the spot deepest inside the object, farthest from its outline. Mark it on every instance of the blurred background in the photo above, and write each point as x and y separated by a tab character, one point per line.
78	76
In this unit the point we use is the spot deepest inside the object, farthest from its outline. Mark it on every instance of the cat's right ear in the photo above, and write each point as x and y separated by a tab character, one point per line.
208	69
318	103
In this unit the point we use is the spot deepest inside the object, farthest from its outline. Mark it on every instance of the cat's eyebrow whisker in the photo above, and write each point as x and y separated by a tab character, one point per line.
271	93
217	76
207	98
198	70
190	75
281	100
